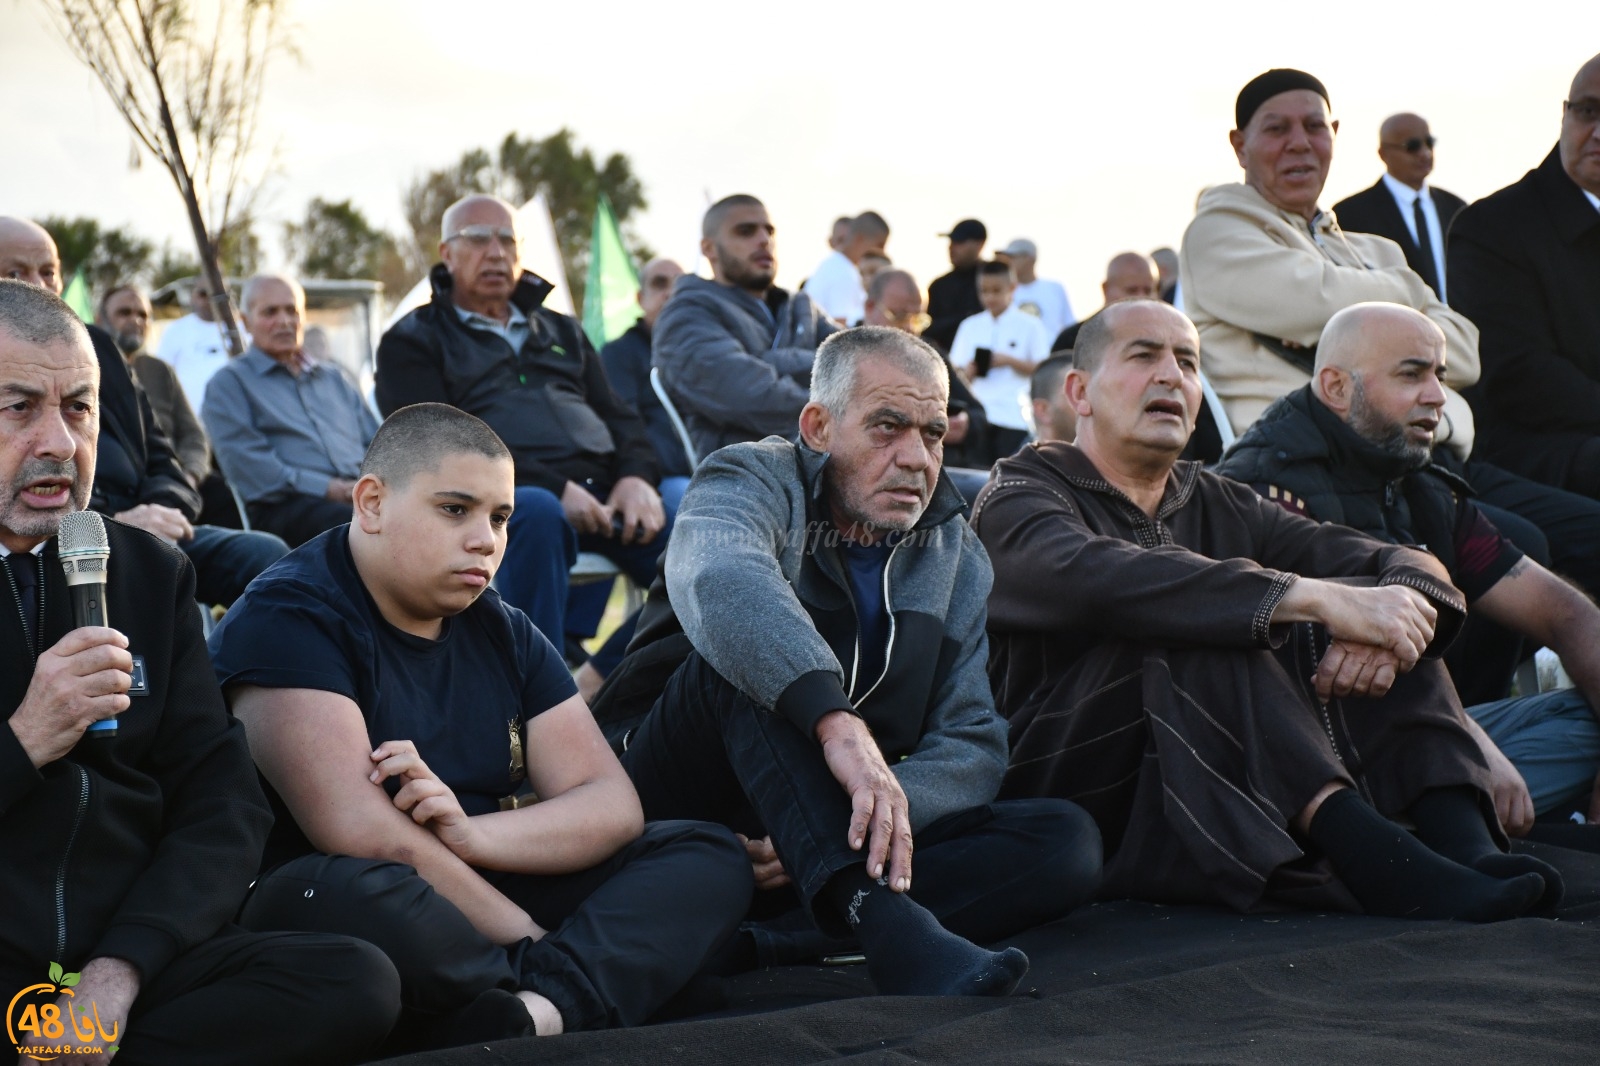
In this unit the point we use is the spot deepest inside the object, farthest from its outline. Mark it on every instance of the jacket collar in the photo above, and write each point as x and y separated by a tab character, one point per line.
945	504
263	364
1316	433
1068	462
529	294
1569	209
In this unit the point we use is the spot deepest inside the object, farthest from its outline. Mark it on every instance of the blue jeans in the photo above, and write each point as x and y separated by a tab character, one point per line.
541	547
1552	739
226	560
986	873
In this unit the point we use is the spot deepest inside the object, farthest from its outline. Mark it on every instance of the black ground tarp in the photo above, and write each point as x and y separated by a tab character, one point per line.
1136	983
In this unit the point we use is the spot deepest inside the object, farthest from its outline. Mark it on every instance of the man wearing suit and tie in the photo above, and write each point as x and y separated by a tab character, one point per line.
1402	206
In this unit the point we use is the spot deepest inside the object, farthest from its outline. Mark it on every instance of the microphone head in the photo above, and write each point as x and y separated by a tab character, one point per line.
83	548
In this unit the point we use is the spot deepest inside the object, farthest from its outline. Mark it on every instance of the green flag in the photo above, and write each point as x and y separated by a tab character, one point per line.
610	299
77	296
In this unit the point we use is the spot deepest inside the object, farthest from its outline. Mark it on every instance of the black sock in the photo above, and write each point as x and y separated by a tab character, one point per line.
736	955
1391	872
909	953
1451	822
495	1014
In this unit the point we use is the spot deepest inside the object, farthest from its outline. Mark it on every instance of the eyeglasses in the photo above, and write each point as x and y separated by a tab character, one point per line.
913	322
1586	111
1413	145
481	236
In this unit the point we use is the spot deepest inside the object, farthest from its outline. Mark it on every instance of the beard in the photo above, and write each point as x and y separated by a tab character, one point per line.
26	521
853	505
742	275
1389	437
129	342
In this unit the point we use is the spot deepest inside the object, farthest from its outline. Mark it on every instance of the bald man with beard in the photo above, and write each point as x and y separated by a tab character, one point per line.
1354	447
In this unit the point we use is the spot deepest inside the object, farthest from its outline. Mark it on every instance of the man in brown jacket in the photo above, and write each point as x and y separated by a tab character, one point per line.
1154	670
125	314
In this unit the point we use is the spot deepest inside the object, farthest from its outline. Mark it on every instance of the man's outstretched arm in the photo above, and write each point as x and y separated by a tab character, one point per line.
1536	603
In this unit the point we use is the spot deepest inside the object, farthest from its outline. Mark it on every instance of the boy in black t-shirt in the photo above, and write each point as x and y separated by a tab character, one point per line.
395	707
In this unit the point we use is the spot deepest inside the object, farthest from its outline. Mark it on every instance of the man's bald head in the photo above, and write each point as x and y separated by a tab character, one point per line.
889	283
1379	368
1131	276
1353	337
274	311
655	287
894	299
492	209
1587	72
1405	145
28	253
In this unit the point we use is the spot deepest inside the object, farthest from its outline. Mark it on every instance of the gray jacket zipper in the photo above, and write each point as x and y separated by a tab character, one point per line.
66	856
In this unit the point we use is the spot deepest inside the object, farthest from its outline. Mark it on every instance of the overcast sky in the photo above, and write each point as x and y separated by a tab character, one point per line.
1090	131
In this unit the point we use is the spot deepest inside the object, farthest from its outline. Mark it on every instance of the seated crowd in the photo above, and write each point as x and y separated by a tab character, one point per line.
952	596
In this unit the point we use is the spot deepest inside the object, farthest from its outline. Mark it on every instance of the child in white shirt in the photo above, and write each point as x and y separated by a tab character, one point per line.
1016	343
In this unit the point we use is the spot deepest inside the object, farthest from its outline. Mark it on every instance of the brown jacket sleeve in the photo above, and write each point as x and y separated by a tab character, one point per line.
1052	571
176	417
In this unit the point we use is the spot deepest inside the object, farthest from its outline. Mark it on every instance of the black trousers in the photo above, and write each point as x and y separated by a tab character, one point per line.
298	518
271	998
622	936
707	751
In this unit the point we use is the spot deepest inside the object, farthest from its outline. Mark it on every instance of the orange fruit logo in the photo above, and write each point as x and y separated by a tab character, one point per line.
33	1013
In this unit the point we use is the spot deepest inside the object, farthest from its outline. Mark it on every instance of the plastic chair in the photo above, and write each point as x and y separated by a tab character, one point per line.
678	426
1218	413
592	567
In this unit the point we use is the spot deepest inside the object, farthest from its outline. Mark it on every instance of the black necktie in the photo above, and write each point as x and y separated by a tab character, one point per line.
1430	272
24	567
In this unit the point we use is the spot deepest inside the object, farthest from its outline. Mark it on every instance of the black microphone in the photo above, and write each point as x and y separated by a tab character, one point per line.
85	554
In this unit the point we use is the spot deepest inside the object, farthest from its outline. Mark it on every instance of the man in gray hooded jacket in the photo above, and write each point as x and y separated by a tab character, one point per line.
821	614
735	352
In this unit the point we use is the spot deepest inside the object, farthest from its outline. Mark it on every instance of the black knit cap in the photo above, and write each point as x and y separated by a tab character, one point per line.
1264	87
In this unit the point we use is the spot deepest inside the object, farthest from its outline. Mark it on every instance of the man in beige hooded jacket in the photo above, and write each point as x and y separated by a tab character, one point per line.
1264	267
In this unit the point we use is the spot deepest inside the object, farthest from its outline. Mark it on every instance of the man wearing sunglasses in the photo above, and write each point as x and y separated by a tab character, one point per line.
1402	206
1525	267
586	474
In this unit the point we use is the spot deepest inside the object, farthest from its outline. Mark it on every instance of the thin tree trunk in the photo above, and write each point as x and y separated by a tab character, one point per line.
221	302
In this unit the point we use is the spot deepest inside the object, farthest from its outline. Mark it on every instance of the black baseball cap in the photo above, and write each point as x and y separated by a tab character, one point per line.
968	229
